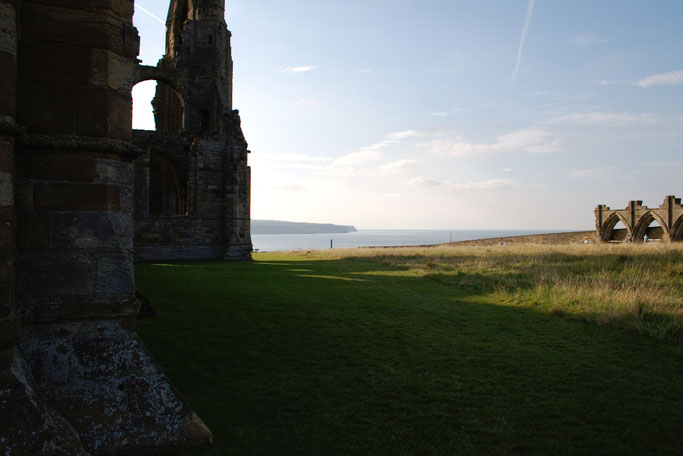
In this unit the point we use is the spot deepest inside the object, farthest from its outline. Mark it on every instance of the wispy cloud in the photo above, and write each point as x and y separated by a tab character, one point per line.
614	82
586	39
149	13
670	78
607	118
491	184
591	172
525	29
534	140
366	71
298	69
304	103
446	113
294	158
374	151
395	167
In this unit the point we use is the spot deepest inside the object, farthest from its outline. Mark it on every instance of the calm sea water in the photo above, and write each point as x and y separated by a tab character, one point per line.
372	238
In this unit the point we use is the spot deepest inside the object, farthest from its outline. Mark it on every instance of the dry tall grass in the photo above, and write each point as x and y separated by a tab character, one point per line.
636	287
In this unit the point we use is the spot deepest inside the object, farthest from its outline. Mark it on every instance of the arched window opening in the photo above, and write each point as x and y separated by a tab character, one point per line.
157	106
619	232
650	227
167	191
677	231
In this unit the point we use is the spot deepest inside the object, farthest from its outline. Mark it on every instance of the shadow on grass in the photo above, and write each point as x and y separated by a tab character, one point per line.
296	357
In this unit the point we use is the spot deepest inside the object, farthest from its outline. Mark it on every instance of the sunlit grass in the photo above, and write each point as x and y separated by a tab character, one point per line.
500	350
636	287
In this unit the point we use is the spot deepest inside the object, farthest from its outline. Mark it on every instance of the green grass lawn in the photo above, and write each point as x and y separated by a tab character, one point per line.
363	354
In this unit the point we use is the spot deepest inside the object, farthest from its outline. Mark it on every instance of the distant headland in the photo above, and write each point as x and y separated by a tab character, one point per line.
280	227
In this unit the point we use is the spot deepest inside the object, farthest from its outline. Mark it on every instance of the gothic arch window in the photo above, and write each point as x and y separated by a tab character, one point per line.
167	190
158	106
614	229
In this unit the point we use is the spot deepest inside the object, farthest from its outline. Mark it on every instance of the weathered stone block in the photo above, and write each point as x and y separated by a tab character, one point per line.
115	275
99	376
54	62
6	190
33	233
43	309
6	154
92	111
76	197
8	83
56	168
45	107
28	427
55	275
90	231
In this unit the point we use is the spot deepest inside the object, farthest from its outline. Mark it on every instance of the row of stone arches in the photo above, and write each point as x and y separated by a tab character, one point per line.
636	221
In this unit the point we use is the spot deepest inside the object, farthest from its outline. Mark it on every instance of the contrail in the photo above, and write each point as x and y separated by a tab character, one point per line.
527	23
137	5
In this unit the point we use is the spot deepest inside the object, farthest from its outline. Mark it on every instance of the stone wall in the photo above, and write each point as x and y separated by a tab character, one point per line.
74	378
638	221
192	182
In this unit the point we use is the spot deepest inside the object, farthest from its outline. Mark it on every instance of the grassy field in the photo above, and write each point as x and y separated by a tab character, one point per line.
432	351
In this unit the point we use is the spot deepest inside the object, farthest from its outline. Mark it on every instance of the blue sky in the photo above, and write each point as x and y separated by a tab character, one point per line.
477	114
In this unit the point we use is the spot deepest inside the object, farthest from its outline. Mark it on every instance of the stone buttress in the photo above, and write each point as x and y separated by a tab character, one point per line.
74	378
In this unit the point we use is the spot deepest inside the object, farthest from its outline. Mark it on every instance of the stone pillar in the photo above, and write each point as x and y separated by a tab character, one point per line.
75	290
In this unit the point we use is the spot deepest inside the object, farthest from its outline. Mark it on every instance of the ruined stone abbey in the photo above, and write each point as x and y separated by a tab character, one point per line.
664	223
82	195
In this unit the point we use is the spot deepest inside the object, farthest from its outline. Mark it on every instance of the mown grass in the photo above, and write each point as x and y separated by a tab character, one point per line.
440	351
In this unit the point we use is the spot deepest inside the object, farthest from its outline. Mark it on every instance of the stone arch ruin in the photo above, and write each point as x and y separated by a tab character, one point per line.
82	195
638	219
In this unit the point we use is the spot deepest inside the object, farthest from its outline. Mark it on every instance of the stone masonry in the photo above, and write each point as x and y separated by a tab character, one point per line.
192	194
80	191
637	220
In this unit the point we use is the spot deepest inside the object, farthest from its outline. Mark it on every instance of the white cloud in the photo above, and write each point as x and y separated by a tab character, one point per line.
298	69
366	71
358	158
425	181
395	167
670	78
586	39
506	170
374	151
614	82
591	172
537	93
491	184
607	118
446	113
292	158
528	140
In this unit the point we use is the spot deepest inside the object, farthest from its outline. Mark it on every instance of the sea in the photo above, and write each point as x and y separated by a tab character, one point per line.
375	238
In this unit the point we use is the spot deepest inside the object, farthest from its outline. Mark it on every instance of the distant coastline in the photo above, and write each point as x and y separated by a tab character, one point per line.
281	227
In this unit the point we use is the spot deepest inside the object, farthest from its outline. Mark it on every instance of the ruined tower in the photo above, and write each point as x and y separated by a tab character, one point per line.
192	194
